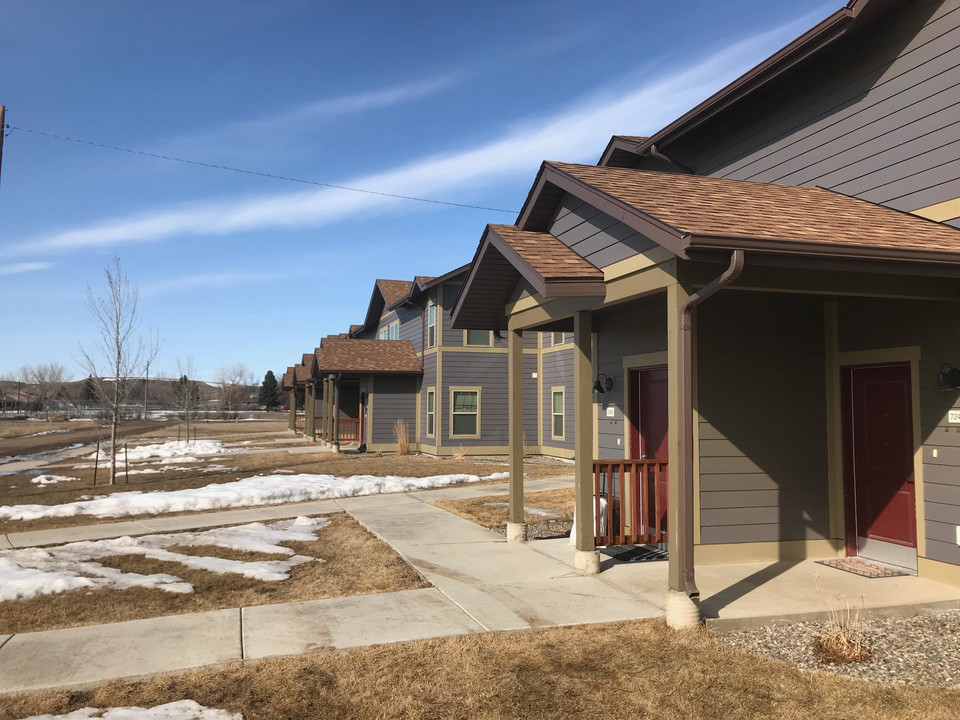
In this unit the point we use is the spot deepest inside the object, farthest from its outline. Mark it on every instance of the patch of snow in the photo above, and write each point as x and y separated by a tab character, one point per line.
179	710
51	479
47	432
28	572
186	451
542	512
256	490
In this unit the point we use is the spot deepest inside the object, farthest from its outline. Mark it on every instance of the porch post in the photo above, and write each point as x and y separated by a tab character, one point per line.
327	397
335	414
516	527
587	559
293	409
309	403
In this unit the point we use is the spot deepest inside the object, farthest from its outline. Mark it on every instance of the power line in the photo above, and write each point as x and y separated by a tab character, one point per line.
254	172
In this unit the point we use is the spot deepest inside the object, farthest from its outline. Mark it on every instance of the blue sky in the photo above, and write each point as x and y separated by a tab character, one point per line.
449	101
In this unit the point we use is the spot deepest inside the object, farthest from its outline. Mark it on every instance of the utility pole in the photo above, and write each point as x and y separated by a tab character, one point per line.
3	127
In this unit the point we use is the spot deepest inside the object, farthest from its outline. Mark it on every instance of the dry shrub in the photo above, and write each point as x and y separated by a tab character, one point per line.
460	453
844	642
400	433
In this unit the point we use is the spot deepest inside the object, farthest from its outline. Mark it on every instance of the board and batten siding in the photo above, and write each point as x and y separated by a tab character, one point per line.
596	236
558	371
868	324
761	367
876	116
489	372
394	397
635	330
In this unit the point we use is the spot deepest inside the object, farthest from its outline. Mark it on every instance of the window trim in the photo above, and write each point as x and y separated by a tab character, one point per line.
553	338
562	389
432	305
431	414
390	327
464	388
382	334
489	343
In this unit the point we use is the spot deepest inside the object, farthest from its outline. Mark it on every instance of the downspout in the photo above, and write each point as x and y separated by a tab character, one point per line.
654	151
687	572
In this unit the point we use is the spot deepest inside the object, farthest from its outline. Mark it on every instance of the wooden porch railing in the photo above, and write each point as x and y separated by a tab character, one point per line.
349	430
300	422
630	501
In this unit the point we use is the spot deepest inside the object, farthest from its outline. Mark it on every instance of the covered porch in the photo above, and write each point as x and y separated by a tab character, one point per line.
770	329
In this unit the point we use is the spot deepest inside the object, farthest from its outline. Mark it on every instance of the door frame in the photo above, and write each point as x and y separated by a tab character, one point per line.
840	522
633	393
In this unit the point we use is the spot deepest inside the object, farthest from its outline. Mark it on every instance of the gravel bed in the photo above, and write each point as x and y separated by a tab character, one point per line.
542	531
919	650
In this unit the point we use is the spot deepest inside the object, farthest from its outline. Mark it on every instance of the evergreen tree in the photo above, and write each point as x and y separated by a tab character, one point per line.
89	390
270	391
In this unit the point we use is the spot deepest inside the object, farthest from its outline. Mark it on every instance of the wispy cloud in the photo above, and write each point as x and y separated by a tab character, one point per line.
24	267
206	281
577	133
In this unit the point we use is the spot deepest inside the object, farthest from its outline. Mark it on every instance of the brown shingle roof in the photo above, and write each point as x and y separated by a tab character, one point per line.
718	212
545	254
287	382
423	279
367	356
394	291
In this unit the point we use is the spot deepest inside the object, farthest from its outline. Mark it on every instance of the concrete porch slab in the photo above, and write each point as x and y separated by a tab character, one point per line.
318	625
58	536
83	656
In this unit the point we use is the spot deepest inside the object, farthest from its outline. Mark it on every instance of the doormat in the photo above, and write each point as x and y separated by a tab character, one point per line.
862	568
635	553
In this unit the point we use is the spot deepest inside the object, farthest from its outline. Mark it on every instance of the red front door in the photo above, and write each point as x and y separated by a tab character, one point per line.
648	422
878	456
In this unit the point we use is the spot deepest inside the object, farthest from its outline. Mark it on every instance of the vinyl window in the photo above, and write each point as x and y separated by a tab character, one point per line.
557	338
382	335
431	412
431	326
395	331
464	412
557	412
483	338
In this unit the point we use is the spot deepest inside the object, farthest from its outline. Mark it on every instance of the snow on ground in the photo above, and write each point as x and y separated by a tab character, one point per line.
51	479
28	572
174	450
47	432
256	490
542	512
179	710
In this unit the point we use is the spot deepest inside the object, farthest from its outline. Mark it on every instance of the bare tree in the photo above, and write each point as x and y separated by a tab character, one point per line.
234	381
119	349
186	393
45	380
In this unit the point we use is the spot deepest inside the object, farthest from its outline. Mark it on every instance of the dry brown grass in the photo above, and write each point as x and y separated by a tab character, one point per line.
355	563
624	670
18	490
477	510
20	428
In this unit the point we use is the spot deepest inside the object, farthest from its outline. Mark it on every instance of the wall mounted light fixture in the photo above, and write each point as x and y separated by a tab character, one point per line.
605	386
948	378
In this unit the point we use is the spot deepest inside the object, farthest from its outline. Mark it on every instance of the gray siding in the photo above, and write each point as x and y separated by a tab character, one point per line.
530	398
412	325
393	398
489	372
763	471
429	380
877	116
558	370
451	337
595	235
873	324
641	328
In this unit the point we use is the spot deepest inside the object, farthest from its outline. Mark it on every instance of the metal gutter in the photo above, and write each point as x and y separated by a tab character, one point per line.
685	461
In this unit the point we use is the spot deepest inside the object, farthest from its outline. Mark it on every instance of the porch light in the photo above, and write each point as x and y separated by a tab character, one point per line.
598	387
948	378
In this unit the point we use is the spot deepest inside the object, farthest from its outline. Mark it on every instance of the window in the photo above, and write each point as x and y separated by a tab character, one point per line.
478	337
465	412
431	412
382	335
395	331
557	411
431	326
558	338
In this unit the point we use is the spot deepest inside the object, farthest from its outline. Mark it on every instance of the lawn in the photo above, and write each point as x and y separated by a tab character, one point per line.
21	428
552	508
622	670
354	563
252	448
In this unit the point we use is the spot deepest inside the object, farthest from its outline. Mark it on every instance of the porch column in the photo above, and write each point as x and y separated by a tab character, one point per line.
335	415
327	397
587	559
516	527
293	410
309	403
